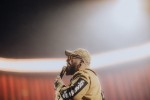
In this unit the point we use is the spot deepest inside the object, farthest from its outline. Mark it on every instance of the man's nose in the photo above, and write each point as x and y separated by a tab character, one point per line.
67	60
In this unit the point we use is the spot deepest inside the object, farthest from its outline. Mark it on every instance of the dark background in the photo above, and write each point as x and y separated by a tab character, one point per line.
43	29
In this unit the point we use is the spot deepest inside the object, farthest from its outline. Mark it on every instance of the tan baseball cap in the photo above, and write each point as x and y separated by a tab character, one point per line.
83	53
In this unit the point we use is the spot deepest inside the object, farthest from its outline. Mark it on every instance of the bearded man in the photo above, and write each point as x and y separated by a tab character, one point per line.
84	84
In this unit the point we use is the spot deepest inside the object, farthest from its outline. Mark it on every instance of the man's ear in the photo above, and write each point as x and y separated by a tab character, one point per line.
78	67
81	61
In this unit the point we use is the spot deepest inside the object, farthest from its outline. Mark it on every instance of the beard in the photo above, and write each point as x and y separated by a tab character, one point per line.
71	69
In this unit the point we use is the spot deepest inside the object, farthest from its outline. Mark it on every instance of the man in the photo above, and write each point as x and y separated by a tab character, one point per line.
84	84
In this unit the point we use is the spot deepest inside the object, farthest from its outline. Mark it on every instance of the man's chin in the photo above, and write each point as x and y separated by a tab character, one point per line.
70	70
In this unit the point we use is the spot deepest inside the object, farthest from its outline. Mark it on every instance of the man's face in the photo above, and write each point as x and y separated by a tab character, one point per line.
73	61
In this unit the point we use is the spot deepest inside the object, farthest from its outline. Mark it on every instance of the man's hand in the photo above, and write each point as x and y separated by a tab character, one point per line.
58	83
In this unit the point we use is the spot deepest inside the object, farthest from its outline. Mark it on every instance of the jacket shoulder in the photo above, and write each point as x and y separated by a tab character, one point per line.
81	74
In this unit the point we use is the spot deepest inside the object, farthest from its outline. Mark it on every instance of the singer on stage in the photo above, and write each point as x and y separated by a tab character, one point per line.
84	84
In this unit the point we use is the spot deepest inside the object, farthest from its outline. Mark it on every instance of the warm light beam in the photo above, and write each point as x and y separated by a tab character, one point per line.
98	60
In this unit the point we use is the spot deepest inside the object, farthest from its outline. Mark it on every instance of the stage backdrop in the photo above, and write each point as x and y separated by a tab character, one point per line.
121	82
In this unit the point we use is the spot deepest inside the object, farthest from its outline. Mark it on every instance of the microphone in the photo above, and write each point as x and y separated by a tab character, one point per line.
63	71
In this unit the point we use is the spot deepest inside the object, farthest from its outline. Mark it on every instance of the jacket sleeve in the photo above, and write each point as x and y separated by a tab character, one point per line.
77	88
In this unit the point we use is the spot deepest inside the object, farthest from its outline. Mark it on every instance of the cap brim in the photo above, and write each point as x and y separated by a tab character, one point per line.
68	53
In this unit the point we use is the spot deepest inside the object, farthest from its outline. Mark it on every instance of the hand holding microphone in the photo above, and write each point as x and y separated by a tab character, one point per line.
58	81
